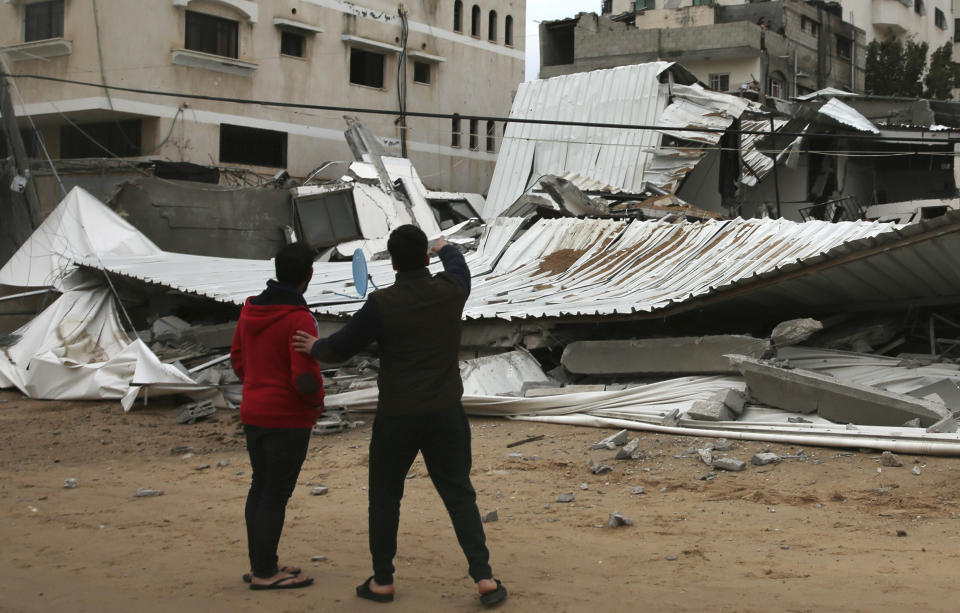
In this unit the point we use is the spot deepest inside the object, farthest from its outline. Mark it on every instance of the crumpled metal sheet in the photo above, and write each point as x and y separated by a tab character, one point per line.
848	116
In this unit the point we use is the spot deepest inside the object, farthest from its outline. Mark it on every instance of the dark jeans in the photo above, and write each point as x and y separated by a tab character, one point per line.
276	455
444	440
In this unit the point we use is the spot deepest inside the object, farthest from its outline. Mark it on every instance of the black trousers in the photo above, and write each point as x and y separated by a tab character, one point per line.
276	455
444	440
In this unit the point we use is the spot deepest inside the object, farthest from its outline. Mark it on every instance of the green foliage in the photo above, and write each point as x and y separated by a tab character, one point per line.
914	61
884	67
941	77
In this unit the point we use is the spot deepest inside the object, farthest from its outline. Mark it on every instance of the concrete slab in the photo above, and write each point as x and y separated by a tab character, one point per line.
803	391
675	355
946	389
710	410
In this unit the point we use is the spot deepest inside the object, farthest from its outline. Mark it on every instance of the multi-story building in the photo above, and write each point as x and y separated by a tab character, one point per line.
437	56
780	48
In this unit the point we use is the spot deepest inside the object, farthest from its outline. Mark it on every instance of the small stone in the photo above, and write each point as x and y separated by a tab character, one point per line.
916	470
223	463
516	455
599	469
180	450
670	558
584	486
705	456
70	483
568	497
201	467
617	519
731	464
618	439
318	559
722	444
762	459
732	399
145	492
637	490
490	516
626	452
901	533
320	490
888	458
784	546
710	476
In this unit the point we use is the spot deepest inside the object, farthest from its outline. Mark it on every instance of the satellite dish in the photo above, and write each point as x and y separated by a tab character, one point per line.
360	274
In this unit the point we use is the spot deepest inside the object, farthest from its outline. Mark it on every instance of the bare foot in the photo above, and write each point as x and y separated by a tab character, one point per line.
376	588
485	586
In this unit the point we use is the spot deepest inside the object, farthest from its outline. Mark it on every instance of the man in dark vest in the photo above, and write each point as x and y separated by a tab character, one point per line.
416	324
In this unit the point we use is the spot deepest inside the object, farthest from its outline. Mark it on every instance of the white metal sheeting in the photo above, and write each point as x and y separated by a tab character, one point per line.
575	267
847	115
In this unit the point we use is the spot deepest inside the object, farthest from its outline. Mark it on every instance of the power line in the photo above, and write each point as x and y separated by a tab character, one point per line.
422	114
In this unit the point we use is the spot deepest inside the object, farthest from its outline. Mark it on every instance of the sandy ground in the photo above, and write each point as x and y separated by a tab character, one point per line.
819	534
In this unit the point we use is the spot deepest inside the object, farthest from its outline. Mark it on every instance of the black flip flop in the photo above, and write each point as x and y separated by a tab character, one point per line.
492	599
248	577
280	585
364	591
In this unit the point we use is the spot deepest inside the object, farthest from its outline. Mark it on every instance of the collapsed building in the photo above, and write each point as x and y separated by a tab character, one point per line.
593	302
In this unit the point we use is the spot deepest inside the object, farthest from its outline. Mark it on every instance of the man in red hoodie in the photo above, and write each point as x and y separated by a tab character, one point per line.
282	398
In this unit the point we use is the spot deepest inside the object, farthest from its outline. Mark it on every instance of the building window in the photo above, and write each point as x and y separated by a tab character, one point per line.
455	132
366	68
100	140
43	20
241	145
644	5
702	2
328	219
421	72
474	134
508	31
558	45
809	26
210	34
292	43
720	82
919	8
492	27
939	19
844	47
775	86
491	136
458	16
475	21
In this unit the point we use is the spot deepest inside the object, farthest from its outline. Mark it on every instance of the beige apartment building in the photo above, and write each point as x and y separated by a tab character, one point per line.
434	56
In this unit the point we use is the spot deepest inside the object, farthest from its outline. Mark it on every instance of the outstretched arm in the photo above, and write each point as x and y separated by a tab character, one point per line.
453	263
362	329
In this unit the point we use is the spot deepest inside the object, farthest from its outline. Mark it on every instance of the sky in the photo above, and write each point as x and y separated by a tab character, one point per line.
548	10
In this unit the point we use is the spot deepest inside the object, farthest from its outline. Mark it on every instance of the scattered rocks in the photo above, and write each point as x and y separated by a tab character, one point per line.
146	492
629	450
710	410
705	456
612	442
731	464
916	470
888	458
762	459
490	516
567	497
584	486
617	519
69	484
318	559
223	463
722	444
320	490
637	490
599	469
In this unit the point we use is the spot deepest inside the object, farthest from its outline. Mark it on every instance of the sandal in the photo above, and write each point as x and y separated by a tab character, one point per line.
495	597
290	582
290	570
364	591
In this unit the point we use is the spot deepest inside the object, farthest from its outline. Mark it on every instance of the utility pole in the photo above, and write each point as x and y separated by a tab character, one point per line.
20	160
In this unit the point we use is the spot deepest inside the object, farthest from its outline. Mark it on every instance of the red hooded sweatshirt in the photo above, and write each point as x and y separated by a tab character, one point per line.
282	388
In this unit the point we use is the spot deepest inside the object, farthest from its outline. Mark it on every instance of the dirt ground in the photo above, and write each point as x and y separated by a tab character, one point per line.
826	533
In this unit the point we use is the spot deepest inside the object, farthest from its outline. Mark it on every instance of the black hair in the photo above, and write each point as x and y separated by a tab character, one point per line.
293	263
408	247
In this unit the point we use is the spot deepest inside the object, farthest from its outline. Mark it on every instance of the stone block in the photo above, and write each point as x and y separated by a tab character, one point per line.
658	356
733	399
794	331
731	464
710	410
762	459
626	452
618	439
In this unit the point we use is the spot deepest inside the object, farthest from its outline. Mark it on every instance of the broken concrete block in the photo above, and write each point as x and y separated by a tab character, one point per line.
888	458
567	497
617	519
733	399
678	355
710	410
947	425
170	324
915	470
626	452
637	490
567	389
705	456
762	459
618	439
490	516
672	418
794	331
945	389
731	464
190	413
320	490
804	391
69	484
599	469
912	423
146	492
